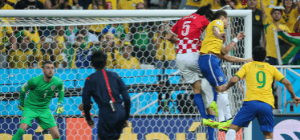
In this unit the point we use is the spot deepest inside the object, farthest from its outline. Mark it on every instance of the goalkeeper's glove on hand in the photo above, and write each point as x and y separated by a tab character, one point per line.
20	106
60	109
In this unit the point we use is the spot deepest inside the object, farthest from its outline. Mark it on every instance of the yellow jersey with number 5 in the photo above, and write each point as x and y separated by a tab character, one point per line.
259	77
210	42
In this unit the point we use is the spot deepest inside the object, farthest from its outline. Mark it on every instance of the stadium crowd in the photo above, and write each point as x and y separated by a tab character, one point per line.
128	45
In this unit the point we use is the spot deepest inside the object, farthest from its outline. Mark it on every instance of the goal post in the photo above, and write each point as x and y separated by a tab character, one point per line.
143	84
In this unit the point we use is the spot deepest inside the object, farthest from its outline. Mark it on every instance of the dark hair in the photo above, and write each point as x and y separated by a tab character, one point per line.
205	11
219	13
98	59
259	53
46	62
273	10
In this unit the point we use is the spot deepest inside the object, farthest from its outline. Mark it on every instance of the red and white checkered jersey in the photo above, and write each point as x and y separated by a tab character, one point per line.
188	30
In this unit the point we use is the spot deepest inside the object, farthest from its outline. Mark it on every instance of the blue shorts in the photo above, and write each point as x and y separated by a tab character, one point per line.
252	109
210	66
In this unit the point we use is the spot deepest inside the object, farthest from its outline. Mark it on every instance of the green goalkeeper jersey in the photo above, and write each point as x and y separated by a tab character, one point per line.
41	92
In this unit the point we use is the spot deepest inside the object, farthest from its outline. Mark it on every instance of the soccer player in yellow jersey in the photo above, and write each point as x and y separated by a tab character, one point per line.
259	99
209	61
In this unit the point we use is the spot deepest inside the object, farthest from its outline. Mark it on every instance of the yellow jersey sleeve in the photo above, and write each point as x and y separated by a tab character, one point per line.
137	63
210	42
242	72
277	75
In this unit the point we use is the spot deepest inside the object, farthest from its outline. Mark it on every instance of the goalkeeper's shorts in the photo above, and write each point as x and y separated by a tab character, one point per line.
210	66
43	116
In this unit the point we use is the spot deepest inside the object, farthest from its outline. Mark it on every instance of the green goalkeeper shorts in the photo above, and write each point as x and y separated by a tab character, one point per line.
43	116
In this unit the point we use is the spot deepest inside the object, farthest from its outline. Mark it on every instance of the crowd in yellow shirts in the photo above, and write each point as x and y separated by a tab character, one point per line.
128	45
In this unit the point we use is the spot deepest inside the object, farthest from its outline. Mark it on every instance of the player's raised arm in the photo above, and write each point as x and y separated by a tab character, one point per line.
61	95
228	48
240	74
86	98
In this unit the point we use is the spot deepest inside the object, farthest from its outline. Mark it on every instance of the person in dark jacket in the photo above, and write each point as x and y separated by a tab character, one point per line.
106	87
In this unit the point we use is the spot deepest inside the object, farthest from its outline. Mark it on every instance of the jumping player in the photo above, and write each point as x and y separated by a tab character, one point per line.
106	87
259	99
211	52
36	106
186	33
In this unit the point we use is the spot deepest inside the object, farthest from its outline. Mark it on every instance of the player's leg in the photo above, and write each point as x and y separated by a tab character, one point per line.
231	133
47	121
54	133
265	119
27	116
247	113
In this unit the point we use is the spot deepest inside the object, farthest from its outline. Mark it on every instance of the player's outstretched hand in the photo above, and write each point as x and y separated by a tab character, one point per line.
60	109
296	100
240	36
249	60
20	106
91	123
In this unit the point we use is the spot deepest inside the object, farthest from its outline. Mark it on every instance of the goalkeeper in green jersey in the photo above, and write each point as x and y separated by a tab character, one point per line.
36	106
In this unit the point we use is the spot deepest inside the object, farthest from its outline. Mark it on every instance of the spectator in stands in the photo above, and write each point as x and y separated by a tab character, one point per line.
297	25
164	3
53	4
270	27
126	61
29	4
129	5
21	57
112	52
11	3
7	43
44	52
88	37
165	50
290	14
192	4
258	17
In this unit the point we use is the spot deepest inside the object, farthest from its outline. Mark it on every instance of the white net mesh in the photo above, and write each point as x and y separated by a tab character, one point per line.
137	50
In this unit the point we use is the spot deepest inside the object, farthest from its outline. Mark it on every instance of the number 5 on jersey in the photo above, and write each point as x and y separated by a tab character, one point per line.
185	28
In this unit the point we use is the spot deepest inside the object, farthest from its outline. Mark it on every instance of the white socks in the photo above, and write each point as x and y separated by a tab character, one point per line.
220	108
230	135
225	105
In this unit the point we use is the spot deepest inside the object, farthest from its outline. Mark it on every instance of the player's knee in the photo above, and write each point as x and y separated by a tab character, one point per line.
268	135
56	136
80	107
23	126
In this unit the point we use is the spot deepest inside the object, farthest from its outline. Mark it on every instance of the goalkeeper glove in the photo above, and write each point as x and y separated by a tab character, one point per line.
20	106
60	109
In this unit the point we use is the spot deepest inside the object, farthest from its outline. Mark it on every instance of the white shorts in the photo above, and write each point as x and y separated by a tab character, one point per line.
188	66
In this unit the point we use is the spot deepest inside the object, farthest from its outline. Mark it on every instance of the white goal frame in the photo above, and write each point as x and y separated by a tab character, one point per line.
247	14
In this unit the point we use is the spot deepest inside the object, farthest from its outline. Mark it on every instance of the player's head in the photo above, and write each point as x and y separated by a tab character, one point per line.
259	54
205	11
276	14
98	60
221	15
48	69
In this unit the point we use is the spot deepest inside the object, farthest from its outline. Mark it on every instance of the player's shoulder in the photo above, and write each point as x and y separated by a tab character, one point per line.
217	22
56	79
112	73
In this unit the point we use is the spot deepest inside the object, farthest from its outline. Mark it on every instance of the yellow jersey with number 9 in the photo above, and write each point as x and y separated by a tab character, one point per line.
210	42
259	78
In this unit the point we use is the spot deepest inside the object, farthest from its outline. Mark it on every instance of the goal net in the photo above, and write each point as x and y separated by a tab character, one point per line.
135	42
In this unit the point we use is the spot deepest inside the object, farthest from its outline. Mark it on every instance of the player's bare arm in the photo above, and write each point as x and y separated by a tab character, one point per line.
172	37
234	59
290	89
227	49
232	82
217	33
